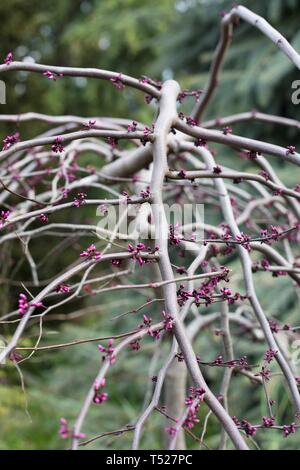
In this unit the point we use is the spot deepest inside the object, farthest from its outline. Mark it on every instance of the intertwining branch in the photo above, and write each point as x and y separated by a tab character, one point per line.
147	167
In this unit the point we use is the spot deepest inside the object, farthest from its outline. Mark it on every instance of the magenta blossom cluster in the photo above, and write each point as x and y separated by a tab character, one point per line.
137	252
185	93
109	352
10	140
99	396
193	407
249	429
91	124
147	322
132	127
8	59
3	217
145	193
171	431
270	234
147	131
195	393
79	199
112	141
91	253
168	321
174	235
118	82
66	433
245	240
135	345
63	288
57	147
206	291
200	143
43	218
268	422
289	429
52	75
270	354
151	81
290	149
24	304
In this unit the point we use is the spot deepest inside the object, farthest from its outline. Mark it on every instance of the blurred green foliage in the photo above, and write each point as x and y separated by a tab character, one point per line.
162	39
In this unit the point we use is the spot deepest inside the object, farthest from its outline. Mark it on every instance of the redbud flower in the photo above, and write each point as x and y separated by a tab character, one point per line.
189	400
227	130
151	81
154	334
184	93
112	141
136	252
265	374
91	124
248	428
118	82
24	305
65	192
225	292
290	149
57	147
91	253
148	99
265	175
64	429
251	154
274	326
182	174
43	218
174	237
135	345
52	75
146	321
132	127
191	121
191	420
99	397
109	352
235	420
289	429
244	239
63	288
200	143
269	355
268	422
3	217
297	188
265	264
145	193
65	432
10	140
79	199
8	59
171	431
147	130
217	170
168	321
